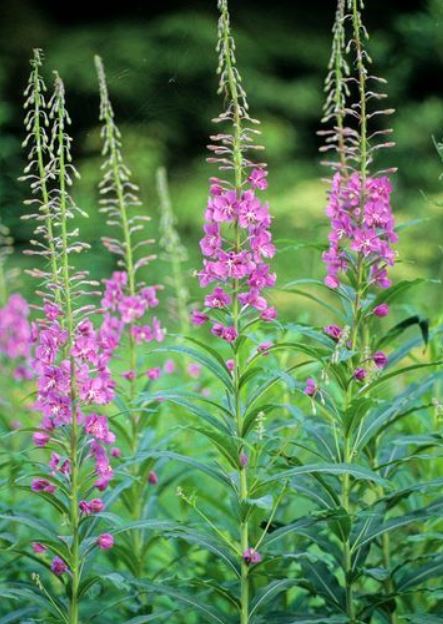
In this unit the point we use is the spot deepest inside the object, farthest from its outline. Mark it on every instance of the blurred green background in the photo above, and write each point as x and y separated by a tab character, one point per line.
161	62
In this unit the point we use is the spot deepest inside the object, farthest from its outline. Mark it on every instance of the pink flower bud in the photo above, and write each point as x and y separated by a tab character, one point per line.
198	318
153	373
360	374
152	477
116	452
96	505
40	438
310	387
380	359
381	310
105	541
58	566
252	556
38	548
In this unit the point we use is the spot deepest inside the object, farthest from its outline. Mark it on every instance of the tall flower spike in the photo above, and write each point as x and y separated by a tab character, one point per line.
362	225
173	250
237	245
71	364
126	300
237	241
337	92
36	173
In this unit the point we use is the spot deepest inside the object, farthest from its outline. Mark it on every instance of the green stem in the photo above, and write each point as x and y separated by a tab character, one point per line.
74	510
238	171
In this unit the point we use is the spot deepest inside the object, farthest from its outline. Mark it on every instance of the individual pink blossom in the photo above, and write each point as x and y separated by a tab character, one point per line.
154	373
58	566
97	426
360	374
42	485
105	541
381	310
252	556
152	477
194	370
311	387
258	179
40	438
198	318
265	347
270	314
380	359
334	331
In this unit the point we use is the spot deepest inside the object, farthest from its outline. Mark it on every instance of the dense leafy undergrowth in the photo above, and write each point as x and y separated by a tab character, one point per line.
232	467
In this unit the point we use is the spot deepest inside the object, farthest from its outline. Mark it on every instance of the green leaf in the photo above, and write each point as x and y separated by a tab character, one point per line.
400	288
324	582
388	411
266	595
210	614
358	472
401	327
419	575
211	544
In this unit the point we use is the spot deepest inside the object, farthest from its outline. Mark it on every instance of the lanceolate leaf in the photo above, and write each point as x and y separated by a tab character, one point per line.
418	575
358	472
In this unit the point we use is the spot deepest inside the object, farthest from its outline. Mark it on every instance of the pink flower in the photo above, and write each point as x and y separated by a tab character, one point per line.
198	318
40	438
96	505
152	477
105	541
194	370
217	299
264	347
380	359
334	331
360	374
381	310
97	426
258	179
129	375
58	566
311	387
169	367
42	485
38	548
153	373
230	365
252	556
270	314
116	452
227	333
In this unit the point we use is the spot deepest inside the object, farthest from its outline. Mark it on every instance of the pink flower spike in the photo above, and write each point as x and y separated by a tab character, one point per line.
105	541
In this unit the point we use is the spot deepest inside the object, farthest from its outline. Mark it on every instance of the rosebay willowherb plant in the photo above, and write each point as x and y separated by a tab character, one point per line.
231	523
127	301
364	401
72	375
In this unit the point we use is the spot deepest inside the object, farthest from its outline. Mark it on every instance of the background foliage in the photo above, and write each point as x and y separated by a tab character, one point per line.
163	89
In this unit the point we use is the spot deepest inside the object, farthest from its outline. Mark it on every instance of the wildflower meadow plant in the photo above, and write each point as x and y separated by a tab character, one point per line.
70	362
270	471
